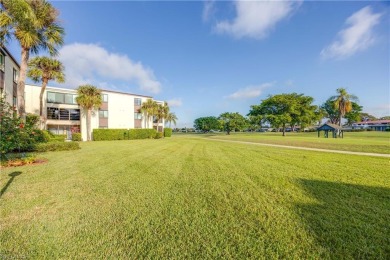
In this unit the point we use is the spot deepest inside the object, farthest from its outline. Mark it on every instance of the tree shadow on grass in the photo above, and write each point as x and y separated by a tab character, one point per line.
12	175
349	221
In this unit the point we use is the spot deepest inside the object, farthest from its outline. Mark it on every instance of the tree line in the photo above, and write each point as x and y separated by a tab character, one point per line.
288	110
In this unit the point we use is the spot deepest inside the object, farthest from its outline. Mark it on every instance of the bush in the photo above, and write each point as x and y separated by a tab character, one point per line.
57	146
122	134
76	137
57	138
167	132
40	136
159	135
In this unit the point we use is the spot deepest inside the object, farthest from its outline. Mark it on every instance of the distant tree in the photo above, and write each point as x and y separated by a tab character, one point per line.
354	115
255	122
233	121
385	118
35	25
171	118
89	98
367	117
332	113
43	69
207	123
286	109
343	102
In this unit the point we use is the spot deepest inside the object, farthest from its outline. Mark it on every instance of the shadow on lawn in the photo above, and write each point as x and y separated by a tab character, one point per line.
12	175
349	221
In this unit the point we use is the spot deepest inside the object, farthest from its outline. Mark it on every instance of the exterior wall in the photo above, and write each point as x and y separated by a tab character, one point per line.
9	85
120	107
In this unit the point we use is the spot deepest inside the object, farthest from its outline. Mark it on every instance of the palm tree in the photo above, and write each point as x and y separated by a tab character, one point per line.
343	102
161	112
44	69
148	108
34	24
171	118
89	97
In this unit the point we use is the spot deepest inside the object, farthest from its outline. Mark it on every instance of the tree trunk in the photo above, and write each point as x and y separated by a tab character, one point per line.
284	130
89	112
21	83
41	118
339	131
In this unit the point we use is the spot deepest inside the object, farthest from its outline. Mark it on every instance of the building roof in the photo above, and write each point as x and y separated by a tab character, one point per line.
103	90
374	122
333	126
5	50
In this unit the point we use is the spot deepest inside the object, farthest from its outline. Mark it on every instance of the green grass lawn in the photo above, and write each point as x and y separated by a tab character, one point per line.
188	197
369	142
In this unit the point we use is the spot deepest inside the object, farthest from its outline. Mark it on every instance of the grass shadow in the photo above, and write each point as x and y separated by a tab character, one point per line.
349	221
12	175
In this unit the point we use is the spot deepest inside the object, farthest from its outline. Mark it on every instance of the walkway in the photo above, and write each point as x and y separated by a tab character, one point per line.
303	148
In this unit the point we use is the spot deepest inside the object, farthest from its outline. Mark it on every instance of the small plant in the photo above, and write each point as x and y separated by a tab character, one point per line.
12	160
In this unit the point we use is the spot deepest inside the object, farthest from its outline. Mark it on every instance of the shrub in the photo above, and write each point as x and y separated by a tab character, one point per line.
122	134
141	134
57	146
159	135
40	136
76	137
57	138
167	132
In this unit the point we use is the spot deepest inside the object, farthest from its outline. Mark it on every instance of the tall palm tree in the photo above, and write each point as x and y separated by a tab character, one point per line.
171	118
148	108
343	102
161	112
44	69
35	25
89	98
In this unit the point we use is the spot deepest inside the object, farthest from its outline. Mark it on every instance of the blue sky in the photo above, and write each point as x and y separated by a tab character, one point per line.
209	57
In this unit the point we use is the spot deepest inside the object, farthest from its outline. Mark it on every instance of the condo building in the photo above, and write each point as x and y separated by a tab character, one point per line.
9	73
64	116
119	110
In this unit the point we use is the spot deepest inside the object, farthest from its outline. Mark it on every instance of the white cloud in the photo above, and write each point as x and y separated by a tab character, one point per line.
175	102
357	36
249	92
208	10
90	63
256	18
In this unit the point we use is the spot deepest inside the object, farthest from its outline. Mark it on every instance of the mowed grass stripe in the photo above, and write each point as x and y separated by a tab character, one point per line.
191	198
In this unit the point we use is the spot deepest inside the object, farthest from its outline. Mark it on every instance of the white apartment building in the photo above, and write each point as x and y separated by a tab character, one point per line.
9	73
64	116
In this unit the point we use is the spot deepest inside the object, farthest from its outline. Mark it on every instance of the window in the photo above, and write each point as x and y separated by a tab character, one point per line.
103	113
137	116
2	62
61	98
16	76
14	101
104	98
137	101
63	113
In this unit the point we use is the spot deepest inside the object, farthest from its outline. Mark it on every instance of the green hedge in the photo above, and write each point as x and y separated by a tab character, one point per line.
76	137
57	146
167	132
57	138
122	134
